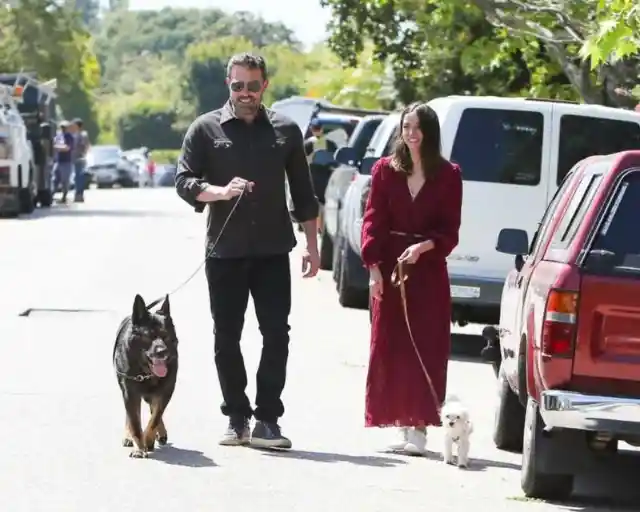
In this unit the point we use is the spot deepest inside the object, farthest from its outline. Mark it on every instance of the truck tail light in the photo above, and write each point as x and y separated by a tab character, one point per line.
560	322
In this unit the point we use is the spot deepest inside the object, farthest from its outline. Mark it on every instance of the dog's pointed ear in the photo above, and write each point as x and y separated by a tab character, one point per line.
139	313
165	309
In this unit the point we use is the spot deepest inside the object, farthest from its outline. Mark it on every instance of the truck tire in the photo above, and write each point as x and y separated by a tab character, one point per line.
326	251
45	198
508	424
25	198
534	483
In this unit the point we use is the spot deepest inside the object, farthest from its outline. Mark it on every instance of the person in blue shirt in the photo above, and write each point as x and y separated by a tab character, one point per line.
63	165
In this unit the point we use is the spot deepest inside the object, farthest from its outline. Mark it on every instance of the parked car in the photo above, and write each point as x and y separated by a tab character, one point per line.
513	153
569	378
347	160
352	279
165	175
110	167
143	163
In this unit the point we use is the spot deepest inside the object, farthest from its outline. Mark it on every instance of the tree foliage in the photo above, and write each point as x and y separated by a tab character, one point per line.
48	37
537	47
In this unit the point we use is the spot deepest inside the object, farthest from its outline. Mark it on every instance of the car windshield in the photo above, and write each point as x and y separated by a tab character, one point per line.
106	153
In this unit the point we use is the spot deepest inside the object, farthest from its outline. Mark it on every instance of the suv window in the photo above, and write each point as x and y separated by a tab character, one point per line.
618	233
583	136
360	138
390	144
499	146
576	210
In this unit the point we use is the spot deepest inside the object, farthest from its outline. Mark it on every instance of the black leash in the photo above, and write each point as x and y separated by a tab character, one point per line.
209	253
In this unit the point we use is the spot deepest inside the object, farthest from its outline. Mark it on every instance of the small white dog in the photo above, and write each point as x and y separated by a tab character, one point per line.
457	431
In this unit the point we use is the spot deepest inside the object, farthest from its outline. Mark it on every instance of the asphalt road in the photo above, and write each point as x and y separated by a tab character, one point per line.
61	415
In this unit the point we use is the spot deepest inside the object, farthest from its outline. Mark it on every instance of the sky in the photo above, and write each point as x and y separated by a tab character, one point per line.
305	17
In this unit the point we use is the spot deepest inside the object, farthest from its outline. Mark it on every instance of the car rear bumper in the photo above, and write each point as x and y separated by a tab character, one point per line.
568	409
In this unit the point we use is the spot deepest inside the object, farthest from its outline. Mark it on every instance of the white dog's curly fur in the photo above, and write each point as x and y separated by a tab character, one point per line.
457	431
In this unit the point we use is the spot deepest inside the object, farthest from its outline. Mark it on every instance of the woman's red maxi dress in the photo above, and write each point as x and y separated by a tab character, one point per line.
397	392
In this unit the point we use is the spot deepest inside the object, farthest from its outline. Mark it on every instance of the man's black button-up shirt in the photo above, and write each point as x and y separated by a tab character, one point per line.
218	147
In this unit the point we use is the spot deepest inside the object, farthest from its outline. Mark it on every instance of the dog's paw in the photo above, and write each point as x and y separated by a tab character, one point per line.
463	465
162	440
150	445
136	453
449	461
127	443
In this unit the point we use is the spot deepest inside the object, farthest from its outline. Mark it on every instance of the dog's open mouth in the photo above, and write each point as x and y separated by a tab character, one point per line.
159	367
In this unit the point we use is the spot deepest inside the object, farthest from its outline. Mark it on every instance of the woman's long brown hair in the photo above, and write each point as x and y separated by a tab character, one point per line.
430	151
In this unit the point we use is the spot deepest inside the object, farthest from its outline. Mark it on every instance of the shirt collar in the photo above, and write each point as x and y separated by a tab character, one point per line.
228	113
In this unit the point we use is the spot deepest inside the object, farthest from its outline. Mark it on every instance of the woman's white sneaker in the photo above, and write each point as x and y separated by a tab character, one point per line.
402	438
416	442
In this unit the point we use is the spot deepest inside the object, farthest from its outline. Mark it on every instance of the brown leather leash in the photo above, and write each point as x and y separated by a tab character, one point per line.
398	279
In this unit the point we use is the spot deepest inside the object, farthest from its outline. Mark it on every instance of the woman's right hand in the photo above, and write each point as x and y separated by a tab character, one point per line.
375	283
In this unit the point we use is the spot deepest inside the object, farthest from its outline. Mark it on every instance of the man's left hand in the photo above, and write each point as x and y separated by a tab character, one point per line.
310	262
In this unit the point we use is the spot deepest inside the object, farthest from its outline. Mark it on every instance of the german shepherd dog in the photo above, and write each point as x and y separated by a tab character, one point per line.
145	357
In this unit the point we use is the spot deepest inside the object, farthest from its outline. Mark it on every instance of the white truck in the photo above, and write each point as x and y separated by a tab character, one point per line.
18	188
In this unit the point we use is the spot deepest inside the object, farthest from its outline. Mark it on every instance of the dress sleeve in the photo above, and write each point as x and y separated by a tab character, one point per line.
375	221
445	237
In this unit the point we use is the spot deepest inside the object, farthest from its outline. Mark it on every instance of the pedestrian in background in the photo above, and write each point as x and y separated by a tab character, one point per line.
63	160
245	146
412	216
80	148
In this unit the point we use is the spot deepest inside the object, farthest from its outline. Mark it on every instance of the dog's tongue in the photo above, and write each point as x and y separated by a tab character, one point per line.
159	368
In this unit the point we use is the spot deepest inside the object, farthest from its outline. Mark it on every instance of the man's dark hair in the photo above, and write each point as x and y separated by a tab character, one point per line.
249	61
77	121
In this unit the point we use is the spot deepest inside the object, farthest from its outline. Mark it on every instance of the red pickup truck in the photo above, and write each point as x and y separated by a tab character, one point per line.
569	333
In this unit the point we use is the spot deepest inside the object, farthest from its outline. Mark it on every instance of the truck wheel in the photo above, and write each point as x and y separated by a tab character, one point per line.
326	251
535	483
25	197
45	198
508	423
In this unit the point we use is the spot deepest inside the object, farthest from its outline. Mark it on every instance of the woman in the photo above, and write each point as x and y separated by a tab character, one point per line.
412	215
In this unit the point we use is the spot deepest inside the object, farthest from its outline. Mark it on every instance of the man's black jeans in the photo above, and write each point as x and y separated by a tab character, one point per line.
268	279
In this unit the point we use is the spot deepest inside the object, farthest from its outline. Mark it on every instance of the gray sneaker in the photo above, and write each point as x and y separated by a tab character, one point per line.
267	435
237	433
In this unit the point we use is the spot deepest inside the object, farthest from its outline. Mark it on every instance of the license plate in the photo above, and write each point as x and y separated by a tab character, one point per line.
465	292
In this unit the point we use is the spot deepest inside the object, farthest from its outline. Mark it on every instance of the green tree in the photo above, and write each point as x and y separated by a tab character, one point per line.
48	37
438	48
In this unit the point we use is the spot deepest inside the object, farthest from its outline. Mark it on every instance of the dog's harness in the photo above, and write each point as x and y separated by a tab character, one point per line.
398	278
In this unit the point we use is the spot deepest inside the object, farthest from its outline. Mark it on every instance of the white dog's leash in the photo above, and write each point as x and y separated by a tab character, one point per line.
398	278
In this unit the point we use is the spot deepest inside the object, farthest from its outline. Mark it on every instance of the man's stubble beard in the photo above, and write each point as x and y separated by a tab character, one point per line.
246	110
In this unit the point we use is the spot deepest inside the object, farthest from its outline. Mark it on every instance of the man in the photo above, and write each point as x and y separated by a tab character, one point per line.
318	140
63	163
244	146
80	149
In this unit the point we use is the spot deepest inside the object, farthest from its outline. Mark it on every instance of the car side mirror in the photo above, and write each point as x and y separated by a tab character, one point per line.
513	241
367	165
346	155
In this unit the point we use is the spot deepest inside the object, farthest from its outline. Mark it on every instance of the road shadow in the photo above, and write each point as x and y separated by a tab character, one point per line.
466	347
72	211
175	456
328	457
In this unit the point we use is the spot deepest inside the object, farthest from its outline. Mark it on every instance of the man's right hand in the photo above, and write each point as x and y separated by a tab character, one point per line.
236	186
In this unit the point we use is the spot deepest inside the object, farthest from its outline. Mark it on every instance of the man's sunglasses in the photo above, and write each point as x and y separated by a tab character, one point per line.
252	86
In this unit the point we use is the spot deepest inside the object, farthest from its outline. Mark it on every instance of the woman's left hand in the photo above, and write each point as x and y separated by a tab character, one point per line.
411	254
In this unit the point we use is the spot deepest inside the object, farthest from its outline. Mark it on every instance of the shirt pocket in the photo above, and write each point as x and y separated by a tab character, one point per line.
223	153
